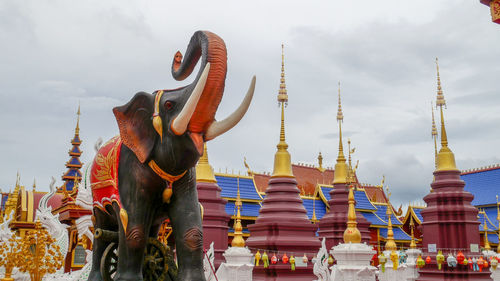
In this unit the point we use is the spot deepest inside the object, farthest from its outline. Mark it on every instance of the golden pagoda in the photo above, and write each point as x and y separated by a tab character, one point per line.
238	240
390	245
351	234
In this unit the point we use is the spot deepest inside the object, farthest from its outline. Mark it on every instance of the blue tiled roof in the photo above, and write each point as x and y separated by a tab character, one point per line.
76	139
419	215
75	149
319	206
491	227
229	187
493	238
483	185
248	209
70	185
399	234
75	161
373	219
326	192
73	173
362	201
381	212
245	230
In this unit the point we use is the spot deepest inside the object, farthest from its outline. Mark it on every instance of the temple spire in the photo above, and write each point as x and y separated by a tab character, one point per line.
204	172
77	129
238	240
282	159
73	175
34	185
487	246
340	174
445	158
351	234
413	245
434	136
390	245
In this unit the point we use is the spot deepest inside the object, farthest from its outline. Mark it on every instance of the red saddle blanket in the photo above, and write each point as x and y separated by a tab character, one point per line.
104	174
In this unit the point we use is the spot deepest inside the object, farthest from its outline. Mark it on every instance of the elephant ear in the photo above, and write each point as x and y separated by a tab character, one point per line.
136	127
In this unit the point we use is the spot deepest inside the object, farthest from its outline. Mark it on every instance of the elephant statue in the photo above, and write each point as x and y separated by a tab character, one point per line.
146	174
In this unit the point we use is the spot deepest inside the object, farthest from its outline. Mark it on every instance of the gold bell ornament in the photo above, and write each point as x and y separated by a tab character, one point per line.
265	260
440	259
292	262
257	258
382	260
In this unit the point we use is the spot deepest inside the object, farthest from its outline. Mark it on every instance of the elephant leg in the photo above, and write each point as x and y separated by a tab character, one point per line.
184	213
102	221
132	242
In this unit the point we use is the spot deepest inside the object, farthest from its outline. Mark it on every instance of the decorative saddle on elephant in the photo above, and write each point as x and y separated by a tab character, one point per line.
104	174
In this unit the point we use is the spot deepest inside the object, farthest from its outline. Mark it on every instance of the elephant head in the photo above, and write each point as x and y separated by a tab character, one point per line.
170	126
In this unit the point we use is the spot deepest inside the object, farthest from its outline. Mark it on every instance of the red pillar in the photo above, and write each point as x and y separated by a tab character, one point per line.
215	219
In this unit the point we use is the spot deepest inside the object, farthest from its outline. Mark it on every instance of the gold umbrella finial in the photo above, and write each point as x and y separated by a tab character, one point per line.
282	158
445	158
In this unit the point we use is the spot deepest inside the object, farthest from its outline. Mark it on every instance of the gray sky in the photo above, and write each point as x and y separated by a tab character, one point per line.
57	53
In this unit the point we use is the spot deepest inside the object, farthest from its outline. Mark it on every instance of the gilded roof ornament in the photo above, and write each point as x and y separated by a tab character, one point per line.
413	245
238	240
390	245
446	158
204	172
351	234
487	246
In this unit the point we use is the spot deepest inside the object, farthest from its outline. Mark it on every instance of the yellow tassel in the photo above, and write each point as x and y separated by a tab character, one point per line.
157	123
167	193
124	219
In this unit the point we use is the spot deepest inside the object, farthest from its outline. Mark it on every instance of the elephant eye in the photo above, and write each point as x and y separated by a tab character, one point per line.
168	105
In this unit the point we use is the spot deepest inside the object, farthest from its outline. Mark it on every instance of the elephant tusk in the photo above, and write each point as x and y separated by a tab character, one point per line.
218	128
180	123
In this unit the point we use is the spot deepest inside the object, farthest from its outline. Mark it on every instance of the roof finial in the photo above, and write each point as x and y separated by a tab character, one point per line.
350	171
351	234
445	159
282	159
77	129
320	162
238	240
413	245
340	174
314	218
390	245
34	184
204	172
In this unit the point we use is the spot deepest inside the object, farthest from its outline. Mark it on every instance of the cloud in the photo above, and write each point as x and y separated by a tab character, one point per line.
99	54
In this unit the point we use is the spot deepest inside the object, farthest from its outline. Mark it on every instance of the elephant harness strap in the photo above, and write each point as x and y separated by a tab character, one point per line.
170	179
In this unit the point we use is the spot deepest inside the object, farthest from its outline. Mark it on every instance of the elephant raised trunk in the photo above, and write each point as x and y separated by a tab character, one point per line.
212	50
